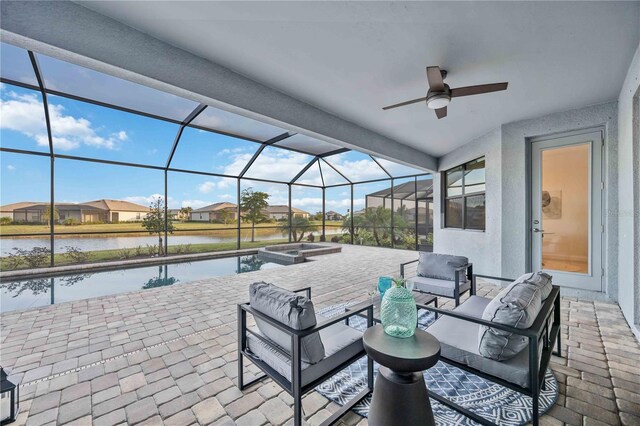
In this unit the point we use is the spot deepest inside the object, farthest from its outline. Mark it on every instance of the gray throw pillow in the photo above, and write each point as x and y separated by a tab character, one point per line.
291	309
517	306
540	279
441	266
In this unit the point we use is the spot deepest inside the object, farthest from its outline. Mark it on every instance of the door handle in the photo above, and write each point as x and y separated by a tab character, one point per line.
538	230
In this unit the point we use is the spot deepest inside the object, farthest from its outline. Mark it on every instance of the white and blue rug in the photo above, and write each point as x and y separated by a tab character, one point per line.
494	402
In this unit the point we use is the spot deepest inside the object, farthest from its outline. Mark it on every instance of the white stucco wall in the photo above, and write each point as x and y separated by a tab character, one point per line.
629	194
482	248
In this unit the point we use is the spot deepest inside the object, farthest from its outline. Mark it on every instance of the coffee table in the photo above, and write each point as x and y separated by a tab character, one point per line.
422	299
400	394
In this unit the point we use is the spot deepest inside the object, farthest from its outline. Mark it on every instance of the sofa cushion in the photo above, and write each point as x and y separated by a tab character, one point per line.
517	306
290	309
441	266
458	342
540	279
437	286
341	343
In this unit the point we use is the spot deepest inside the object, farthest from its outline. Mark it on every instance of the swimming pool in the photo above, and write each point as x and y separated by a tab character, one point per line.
24	294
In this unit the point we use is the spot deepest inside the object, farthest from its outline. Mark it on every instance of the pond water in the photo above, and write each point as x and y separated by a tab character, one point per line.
119	242
32	293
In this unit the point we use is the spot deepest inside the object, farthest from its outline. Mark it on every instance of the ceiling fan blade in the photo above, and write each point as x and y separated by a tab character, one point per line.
478	90
441	112
404	103
434	76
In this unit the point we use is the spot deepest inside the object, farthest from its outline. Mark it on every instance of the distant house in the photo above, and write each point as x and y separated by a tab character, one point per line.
281	212
108	211
331	215
214	212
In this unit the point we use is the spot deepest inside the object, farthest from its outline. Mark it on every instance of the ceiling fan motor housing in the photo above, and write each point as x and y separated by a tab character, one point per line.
439	99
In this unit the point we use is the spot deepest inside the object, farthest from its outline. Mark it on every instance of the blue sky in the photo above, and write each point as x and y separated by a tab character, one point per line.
87	130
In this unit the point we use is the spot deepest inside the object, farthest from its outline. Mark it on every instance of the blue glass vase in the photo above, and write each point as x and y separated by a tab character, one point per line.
384	284
398	312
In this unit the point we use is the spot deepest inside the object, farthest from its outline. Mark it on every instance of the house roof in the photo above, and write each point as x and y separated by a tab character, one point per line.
332	213
281	208
117	205
216	207
407	190
13	206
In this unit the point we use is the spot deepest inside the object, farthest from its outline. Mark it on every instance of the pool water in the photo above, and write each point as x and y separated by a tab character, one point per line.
36	292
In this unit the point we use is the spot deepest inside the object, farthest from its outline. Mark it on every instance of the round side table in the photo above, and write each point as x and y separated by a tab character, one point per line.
399	394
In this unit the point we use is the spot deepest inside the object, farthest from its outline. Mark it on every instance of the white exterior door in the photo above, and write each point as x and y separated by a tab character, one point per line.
566	217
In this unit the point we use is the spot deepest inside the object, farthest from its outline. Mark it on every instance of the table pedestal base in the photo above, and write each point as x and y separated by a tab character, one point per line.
400	399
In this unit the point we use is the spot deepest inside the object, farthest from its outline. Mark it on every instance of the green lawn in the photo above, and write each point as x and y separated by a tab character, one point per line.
135	227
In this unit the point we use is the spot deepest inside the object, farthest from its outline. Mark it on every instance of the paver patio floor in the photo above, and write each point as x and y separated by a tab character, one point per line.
167	355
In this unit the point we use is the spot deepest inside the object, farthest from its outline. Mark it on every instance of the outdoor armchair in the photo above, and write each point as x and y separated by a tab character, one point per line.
442	275
289	355
459	332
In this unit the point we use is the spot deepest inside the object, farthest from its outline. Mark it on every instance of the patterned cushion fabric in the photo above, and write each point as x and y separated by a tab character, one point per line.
441	266
517	306
290	309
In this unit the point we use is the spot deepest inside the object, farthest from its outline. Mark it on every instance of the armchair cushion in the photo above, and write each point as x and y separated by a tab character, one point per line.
441	266
517	306
540	279
437	286
341	343
290	309
458	342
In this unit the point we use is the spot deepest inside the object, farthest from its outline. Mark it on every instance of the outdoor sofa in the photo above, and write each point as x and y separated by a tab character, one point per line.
296	349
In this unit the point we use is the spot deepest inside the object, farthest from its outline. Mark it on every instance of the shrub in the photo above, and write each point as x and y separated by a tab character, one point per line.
311	238
5	221
335	239
323	238
152	249
139	251
187	248
124	253
346	239
76	255
71	221
34	258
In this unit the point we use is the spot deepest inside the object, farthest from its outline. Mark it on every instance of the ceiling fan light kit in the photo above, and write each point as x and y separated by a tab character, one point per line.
439	94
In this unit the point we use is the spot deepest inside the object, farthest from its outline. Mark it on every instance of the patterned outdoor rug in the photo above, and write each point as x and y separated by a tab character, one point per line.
494	402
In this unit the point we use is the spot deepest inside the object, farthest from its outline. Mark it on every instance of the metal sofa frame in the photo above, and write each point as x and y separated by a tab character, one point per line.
295	387
538	334
467	269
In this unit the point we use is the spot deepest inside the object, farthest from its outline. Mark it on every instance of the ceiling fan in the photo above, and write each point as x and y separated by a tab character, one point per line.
439	94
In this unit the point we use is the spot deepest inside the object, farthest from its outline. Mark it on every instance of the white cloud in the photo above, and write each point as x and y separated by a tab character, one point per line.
24	113
357	170
277	164
141	199
221	183
11	167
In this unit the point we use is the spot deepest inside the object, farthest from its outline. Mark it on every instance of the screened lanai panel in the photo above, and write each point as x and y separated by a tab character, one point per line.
307	144
16	65
224	121
356	166
88	130
397	169
204	151
311	176
24	195
80	81
22	121
278	164
329	175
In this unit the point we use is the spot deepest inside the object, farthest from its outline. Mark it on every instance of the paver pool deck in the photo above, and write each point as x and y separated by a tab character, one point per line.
167	355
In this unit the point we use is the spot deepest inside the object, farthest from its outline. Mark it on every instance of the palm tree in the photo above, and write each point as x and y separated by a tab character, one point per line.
377	219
